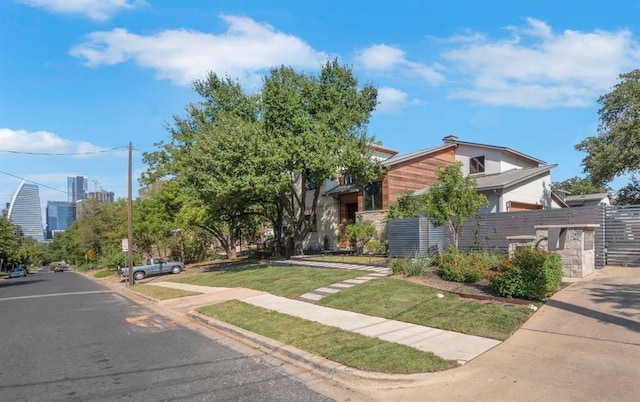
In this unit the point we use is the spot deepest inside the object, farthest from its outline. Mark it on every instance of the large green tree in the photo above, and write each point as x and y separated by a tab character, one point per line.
319	126
99	227
453	199
580	186
240	155
218	155
615	150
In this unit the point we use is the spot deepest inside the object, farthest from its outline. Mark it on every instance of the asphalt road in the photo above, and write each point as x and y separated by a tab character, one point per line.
67	338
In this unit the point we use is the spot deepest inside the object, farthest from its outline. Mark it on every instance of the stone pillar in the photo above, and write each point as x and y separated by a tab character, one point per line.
574	243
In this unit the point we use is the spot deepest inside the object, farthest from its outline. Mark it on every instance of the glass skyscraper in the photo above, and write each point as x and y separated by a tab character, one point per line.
60	215
25	211
76	188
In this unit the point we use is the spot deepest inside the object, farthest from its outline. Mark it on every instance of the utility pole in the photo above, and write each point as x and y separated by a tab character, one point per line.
130	220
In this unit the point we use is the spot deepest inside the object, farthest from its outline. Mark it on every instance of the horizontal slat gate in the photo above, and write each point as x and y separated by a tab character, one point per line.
622	235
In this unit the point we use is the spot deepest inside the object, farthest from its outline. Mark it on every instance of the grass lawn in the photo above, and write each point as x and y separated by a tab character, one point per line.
348	348
409	302
290	281
161	293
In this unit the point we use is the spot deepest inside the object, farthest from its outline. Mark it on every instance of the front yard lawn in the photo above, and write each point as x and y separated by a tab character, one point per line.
291	281
402	300
348	348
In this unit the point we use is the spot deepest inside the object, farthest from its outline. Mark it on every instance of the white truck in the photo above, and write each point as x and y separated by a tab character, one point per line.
154	266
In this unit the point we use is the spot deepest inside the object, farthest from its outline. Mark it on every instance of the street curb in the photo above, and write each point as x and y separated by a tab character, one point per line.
288	354
300	358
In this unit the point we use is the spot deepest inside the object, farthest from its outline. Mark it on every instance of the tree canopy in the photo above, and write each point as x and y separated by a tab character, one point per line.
629	194
615	150
240	155
580	186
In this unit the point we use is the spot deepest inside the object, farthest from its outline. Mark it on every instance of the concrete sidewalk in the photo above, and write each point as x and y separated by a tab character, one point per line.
446	344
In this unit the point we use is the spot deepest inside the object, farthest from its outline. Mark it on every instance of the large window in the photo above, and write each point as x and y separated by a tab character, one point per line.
476	165
372	194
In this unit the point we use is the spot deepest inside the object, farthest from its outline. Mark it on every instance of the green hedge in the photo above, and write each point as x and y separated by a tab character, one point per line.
531	274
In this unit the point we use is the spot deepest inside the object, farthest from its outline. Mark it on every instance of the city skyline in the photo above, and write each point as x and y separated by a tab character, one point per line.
55	215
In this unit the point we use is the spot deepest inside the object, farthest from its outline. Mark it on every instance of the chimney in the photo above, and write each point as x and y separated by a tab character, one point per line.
450	139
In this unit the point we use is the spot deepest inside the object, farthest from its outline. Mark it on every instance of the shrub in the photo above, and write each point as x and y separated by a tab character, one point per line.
409	266
417	266
376	247
458	266
399	265
531	273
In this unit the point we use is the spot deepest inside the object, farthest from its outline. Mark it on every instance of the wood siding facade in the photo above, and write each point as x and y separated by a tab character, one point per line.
413	174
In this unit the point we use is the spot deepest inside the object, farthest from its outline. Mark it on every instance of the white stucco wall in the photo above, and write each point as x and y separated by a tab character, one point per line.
534	192
495	160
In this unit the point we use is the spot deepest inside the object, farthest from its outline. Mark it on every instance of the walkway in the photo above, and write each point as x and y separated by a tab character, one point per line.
317	294
446	344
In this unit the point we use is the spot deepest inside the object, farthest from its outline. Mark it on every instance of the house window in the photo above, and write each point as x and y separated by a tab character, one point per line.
347	180
372	195
476	165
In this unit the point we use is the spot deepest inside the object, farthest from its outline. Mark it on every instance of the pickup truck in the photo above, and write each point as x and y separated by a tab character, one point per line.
154	266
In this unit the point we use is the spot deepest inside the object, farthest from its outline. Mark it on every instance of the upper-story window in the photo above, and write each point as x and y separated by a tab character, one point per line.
476	165
372	196
347	180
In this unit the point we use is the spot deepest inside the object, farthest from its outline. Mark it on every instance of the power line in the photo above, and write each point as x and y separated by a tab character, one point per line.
62	153
34	182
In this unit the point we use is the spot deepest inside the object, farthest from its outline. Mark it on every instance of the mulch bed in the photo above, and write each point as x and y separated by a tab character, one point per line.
480	290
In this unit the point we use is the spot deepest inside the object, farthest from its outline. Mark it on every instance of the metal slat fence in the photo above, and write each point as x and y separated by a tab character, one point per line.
490	231
616	242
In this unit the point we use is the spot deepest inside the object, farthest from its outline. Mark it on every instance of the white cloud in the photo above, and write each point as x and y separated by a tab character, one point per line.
42	142
245	51
99	10
392	100
538	68
391	60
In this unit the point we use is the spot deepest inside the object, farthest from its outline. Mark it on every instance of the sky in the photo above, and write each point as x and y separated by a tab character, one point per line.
81	79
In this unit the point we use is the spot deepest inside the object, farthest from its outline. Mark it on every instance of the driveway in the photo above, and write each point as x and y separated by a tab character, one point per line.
583	345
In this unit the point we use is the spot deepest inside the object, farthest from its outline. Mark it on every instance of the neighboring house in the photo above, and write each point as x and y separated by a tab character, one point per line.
512	181
587	200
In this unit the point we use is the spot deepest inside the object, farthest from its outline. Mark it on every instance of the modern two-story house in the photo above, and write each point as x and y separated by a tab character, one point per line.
511	181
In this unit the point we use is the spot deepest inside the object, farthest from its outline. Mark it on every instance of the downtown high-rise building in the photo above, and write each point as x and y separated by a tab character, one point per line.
60	215
76	188
25	212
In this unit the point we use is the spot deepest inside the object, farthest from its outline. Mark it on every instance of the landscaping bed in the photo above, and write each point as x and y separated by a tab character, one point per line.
480	290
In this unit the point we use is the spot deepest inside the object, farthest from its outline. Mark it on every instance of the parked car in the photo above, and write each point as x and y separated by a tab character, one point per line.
154	266
17	272
59	268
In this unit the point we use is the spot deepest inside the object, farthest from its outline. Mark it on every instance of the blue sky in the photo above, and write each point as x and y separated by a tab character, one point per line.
80	79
